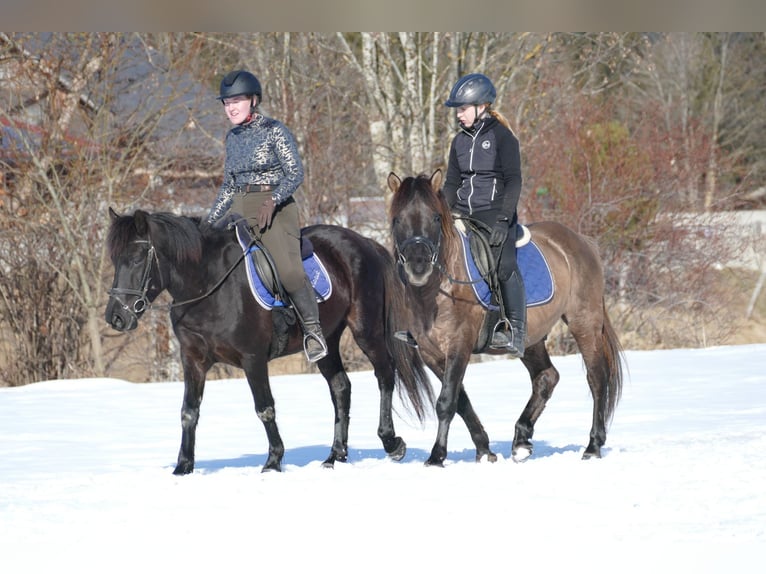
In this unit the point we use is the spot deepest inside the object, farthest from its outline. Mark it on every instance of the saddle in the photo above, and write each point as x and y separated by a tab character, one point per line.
265	285
481	266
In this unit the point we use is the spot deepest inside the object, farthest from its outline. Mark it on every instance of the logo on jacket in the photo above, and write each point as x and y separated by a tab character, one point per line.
485	144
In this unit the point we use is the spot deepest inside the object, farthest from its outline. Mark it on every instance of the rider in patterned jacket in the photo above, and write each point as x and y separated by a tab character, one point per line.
262	170
483	182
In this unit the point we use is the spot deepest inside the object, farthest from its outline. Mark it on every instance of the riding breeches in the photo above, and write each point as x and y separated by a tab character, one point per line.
282	238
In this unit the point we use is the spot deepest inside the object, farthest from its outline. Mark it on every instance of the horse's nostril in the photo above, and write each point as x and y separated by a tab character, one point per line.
117	322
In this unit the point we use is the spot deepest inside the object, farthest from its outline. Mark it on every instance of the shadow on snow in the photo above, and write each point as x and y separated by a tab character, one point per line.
310	455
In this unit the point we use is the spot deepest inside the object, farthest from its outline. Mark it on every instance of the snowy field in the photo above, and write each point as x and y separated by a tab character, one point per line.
86	481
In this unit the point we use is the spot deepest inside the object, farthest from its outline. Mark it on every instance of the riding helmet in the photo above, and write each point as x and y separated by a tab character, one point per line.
472	89
240	83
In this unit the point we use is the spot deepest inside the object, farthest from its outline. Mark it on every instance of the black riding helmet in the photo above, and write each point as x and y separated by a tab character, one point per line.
472	89
240	83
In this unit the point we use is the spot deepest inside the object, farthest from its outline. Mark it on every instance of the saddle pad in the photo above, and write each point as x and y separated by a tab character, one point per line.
312	265
538	282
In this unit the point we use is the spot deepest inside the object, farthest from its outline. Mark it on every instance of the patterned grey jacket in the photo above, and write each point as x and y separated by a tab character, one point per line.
260	152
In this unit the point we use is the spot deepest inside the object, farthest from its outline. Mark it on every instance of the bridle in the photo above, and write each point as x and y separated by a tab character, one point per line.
141	303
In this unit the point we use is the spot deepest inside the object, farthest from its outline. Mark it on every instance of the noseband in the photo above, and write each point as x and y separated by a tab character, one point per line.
141	303
433	248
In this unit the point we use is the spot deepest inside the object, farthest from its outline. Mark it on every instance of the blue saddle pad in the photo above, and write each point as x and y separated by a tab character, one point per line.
535	272
313	266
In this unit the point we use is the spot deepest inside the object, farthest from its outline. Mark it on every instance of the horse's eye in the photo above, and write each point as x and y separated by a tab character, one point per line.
395	221
437	218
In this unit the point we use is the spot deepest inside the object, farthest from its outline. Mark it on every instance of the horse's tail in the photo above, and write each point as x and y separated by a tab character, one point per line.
409	369
614	358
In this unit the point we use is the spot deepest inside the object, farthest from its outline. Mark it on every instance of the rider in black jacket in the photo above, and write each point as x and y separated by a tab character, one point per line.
484	182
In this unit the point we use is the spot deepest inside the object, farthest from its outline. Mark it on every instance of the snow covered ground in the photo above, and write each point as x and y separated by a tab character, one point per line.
86	481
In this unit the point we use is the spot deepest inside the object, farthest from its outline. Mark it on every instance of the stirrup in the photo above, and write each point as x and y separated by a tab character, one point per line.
502	328
316	355
406	337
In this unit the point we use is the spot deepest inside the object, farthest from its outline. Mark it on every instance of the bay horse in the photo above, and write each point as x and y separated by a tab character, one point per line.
216	318
447	319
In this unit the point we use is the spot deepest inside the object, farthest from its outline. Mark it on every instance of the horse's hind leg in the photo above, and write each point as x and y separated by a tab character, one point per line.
544	379
332	370
604	380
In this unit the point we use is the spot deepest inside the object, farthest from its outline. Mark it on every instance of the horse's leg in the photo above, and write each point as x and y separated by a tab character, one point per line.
375	350
257	372
194	385
594	356
337	379
544	379
464	408
475	428
451	396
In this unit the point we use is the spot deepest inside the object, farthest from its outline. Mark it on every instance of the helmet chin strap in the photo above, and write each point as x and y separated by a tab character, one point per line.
476	117
253	105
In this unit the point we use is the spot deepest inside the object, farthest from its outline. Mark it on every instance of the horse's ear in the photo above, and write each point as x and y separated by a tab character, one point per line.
141	223
394	182
113	214
436	180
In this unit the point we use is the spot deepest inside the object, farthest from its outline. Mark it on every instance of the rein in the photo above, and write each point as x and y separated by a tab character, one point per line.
142	304
215	287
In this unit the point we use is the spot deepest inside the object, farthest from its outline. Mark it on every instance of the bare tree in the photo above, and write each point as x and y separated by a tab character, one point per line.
87	154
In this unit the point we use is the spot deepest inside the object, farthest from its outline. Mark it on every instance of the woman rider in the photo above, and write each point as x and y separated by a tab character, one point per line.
483	182
262	170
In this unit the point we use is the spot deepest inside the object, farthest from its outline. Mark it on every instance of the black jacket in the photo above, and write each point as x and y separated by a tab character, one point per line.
484	170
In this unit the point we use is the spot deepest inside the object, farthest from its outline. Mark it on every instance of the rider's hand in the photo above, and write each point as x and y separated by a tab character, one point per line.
265	213
499	231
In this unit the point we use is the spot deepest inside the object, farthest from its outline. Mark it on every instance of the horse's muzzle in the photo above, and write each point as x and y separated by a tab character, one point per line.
417	273
120	317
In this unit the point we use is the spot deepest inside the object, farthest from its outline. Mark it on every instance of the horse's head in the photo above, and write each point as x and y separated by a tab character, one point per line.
419	220
136	244
136	270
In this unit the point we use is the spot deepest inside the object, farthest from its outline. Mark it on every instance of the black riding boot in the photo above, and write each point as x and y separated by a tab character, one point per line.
510	335
306	306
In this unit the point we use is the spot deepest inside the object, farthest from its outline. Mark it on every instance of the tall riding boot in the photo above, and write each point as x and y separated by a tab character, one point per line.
510	334
306	306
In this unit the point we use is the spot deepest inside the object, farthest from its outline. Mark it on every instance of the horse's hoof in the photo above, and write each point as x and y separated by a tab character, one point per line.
271	468
329	464
489	456
521	454
399	450
587	455
183	468
436	463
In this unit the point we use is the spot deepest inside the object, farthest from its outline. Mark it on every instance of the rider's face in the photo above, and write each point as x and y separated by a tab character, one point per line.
237	108
467	115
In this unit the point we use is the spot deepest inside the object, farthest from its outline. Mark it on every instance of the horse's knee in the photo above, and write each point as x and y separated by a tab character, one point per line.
267	415
189	417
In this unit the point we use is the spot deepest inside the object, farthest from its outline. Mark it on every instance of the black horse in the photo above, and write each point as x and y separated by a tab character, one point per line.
448	322
216	319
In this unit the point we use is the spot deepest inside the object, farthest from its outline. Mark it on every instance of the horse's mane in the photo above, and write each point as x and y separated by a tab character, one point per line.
420	188
177	237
